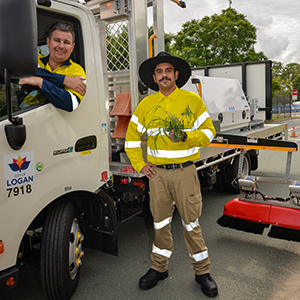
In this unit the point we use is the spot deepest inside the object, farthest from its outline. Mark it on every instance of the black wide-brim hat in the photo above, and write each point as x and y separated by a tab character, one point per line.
146	69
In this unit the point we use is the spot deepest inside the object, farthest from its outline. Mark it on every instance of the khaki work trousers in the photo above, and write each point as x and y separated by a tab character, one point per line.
183	187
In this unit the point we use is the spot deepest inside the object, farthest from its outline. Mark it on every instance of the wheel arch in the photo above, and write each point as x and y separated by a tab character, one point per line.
97	216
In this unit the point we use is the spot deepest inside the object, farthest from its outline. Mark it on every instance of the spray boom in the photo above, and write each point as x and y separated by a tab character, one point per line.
180	3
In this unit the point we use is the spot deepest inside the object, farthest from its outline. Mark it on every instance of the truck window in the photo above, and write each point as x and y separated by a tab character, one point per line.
45	20
2	100
15	90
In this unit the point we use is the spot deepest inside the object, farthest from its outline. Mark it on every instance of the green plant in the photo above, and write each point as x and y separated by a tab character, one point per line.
163	126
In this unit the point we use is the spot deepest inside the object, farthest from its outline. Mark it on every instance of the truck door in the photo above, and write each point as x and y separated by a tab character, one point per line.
63	152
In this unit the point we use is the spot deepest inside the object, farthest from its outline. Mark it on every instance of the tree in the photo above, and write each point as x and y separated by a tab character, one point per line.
276	87
169	38
296	83
219	39
288	77
277	69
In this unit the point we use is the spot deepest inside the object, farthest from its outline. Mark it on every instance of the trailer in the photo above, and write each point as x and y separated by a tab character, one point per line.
65	180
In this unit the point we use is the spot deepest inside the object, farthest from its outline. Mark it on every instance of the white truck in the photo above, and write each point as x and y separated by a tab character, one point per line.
65	181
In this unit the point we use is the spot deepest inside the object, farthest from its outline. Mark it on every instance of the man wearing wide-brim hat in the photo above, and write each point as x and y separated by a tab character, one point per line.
177	124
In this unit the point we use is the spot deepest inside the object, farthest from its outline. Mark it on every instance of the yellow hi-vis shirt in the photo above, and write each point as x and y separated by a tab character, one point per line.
53	88
160	149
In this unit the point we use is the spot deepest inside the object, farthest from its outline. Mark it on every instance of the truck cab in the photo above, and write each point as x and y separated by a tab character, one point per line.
62	160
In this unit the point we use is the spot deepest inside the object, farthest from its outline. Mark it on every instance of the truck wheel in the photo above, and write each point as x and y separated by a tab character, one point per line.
220	185
231	172
61	251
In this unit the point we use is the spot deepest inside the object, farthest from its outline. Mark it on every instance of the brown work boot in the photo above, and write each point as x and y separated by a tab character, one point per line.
150	279
208	285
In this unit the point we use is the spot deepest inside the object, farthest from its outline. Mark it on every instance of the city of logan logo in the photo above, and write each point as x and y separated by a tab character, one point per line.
19	164
19	169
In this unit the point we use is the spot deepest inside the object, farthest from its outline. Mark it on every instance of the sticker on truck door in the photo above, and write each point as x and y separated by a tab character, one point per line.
19	170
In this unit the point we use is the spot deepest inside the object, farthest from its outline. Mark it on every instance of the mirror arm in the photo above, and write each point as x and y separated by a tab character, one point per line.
7	80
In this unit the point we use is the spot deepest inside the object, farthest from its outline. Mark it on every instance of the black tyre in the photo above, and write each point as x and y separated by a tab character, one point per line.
61	251
220	184
231	172
254	162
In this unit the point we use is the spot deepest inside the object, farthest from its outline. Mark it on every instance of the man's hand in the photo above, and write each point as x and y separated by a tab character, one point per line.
34	80
76	83
148	171
181	138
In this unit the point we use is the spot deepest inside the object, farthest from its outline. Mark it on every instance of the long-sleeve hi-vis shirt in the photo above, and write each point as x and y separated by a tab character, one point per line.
53	89
160	149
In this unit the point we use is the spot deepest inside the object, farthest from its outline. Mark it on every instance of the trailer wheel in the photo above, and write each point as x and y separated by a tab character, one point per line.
61	251
231	172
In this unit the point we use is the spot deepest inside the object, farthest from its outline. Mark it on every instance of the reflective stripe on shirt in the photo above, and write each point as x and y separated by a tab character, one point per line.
172	153
208	133
152	115
75	101
140	127
201	119
132	144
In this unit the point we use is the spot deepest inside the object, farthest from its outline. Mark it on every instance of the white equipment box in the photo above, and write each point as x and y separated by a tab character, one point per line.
224	99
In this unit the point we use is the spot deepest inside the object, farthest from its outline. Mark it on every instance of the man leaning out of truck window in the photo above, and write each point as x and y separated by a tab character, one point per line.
60	80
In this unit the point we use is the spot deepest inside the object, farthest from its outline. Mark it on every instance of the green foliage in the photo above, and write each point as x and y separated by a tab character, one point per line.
296	83
169	37
215	40
163	125
275	87
224	39
117	47
287	76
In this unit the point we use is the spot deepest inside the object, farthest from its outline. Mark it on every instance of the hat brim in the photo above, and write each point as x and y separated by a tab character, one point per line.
146	70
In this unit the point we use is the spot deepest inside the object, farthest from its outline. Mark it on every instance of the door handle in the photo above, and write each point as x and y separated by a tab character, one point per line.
86	143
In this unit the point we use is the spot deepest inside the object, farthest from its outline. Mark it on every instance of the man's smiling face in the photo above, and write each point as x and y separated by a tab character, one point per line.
60	47
165	76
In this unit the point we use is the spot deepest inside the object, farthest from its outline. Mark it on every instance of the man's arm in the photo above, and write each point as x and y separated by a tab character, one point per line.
55	78
75	83
133	141
59	97
203	130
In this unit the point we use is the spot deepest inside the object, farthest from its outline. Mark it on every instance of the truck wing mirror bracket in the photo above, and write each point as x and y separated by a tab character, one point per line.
16	131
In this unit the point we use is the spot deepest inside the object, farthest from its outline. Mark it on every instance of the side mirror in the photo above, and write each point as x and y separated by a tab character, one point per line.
18	56
16	135
18	38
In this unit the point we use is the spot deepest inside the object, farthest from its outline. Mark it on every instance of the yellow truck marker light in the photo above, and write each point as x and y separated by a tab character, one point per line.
1	247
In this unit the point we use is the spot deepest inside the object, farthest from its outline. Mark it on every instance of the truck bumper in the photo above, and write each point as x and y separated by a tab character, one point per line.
10	275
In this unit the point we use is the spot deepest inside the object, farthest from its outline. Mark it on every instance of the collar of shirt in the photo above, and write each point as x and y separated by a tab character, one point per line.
45	61
172	96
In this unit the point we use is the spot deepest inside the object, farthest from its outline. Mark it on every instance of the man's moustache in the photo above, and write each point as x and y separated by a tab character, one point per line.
165	78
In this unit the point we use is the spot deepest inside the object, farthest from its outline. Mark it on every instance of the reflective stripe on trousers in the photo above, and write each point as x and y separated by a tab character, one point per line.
181	186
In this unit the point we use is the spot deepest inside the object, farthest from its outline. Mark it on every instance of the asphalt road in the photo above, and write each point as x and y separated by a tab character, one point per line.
245	266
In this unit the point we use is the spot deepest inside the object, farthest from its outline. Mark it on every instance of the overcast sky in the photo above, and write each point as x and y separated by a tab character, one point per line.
277	22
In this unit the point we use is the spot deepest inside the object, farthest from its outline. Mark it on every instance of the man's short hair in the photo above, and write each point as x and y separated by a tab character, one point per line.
62	26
